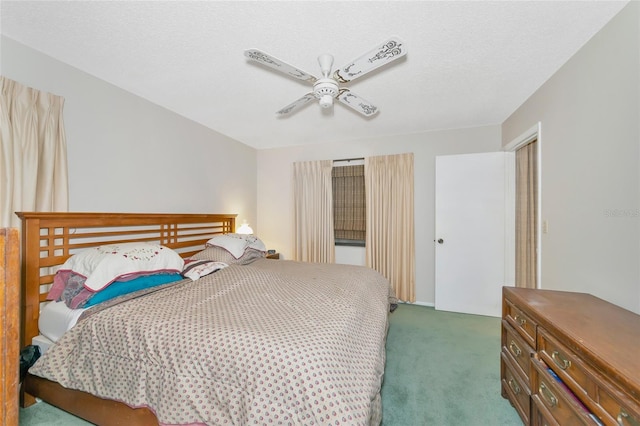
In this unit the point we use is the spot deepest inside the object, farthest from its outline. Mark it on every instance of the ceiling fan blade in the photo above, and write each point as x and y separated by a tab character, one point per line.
354	101
294	106
382	54
277	64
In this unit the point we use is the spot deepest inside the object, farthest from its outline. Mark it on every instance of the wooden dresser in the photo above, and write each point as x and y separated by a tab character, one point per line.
569	358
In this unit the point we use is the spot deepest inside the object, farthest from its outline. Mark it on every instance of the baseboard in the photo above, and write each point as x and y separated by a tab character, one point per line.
431	305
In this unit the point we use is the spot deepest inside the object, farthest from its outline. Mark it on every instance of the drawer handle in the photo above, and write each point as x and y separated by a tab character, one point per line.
560	361
520	320
514	386
546	394
625	418
514	348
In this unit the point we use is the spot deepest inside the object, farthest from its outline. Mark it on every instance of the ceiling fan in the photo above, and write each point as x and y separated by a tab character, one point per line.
328	87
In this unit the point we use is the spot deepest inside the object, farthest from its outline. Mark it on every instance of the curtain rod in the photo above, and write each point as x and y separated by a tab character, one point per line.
348	159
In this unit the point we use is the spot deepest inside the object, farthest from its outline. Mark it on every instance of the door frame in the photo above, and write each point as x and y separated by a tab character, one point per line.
534	133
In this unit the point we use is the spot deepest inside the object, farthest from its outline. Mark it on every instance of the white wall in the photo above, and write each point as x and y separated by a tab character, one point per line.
126	154
275	192
351	255
590	118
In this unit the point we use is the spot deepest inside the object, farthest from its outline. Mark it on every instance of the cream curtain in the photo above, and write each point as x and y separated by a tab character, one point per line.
313	216
526	215
33	152
390	241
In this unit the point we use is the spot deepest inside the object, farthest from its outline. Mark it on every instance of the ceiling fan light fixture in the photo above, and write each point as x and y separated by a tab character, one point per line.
325	90
326	101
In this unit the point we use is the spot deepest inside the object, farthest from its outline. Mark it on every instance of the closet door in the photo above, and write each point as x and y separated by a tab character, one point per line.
9	325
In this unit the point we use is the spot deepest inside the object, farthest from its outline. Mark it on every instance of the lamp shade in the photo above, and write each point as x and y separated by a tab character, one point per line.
244	228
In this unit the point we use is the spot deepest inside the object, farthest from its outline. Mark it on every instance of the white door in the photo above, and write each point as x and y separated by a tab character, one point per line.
472	202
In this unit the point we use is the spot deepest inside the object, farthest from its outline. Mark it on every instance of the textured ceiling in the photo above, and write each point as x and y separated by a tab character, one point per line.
468	63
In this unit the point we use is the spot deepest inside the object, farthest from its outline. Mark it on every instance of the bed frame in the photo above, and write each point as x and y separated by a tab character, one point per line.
49	239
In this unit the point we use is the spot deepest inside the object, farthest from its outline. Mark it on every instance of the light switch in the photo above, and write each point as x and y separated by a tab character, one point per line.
545	227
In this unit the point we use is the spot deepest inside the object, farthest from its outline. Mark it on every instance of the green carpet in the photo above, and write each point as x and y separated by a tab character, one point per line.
442	369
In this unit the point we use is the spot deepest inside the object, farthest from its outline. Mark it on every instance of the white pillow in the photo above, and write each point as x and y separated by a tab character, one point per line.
236	244
107	263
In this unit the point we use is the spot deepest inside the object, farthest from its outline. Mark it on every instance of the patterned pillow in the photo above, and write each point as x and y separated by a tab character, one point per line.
107	263
195	269
218	254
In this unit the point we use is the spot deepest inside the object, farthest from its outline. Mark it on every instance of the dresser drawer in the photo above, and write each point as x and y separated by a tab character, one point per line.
562	360
555	400
518	351
521	322
540	416
517	391
618	413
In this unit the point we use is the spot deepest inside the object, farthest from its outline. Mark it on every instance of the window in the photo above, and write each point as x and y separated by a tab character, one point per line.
349	205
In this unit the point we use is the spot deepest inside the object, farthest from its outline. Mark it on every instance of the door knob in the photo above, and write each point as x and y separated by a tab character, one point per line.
440	241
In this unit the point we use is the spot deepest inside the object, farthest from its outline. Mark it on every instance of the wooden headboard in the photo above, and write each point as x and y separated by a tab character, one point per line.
49	239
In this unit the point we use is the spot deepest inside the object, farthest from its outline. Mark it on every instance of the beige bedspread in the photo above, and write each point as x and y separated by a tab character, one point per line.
273	342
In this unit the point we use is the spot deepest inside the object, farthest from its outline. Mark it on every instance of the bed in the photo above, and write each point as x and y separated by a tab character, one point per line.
260	342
